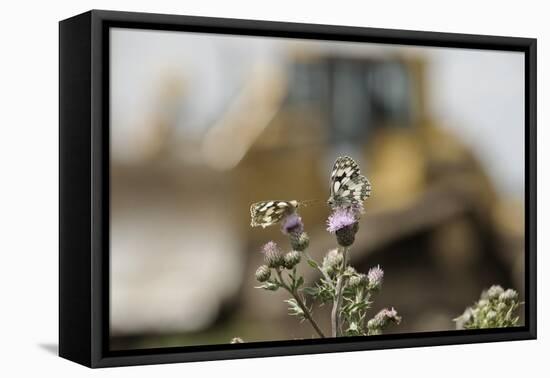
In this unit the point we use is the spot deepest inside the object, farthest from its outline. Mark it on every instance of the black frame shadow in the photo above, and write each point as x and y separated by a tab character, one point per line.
84	193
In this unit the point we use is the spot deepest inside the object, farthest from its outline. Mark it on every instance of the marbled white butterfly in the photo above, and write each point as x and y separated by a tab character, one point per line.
267	213
347	186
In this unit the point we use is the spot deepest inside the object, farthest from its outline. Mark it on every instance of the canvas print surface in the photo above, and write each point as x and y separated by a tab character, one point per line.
268	189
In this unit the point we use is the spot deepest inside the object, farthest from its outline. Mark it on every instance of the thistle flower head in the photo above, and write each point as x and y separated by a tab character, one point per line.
263	273
270	247
381	320
508	295
357	280
493	292
375	276
292	224
343	223
299	241
332	261
341	217
272	255
291	259
389	314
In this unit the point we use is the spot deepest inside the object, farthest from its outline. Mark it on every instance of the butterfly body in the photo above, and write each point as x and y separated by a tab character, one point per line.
267	213
347	186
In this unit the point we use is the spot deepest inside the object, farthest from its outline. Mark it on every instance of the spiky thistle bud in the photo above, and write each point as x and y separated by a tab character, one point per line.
357	280
375	276
509	295
493	292
299	242
263	273
272	255
332	261
497	308
291	259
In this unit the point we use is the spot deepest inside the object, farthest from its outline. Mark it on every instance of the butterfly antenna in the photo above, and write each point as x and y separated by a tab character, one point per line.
309	202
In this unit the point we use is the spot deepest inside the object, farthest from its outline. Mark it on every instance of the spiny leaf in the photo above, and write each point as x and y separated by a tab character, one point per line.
269	285
312	264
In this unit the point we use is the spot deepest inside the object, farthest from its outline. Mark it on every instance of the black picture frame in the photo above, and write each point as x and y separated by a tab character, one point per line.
84	187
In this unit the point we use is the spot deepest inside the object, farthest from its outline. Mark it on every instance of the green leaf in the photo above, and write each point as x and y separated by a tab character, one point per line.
312	264
269	285
293	308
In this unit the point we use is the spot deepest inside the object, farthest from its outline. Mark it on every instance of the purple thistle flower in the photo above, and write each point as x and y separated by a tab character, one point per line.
272	254
375	276
292	224
340	218
270	247
382	320
386	314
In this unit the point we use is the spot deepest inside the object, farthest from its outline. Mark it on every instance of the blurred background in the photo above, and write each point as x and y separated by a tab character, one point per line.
204	125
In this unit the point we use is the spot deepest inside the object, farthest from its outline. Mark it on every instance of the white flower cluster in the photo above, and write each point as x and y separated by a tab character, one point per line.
497	308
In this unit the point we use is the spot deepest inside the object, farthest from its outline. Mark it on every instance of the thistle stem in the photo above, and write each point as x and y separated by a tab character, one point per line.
335	315
300	303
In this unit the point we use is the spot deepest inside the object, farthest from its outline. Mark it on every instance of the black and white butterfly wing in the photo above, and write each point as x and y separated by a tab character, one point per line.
359	189
343	170
268	213
347	186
